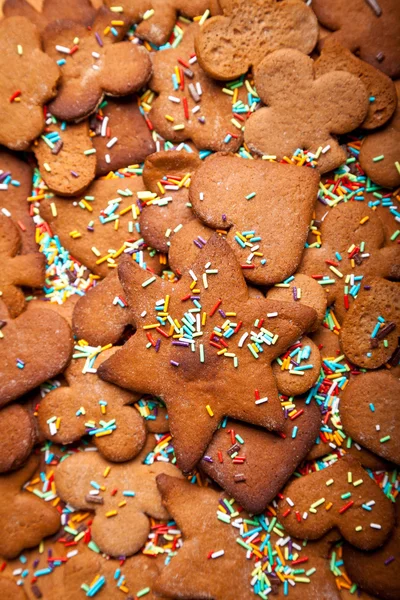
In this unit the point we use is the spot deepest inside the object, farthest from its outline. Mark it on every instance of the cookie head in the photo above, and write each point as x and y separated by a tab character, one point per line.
24	89
286	81
227	46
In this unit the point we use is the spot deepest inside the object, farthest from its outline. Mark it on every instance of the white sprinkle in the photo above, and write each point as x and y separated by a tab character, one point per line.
262	400
111	143
94	492
174	99
198	88
201	195
375	526
218	554
242	339
96	67
290	502
6	212
95	55
305	515
108	159
3	186
52	428
192	275
196	109
104	127
205	282
325	150
17	572
72	553
208	265
63	49
192	60
270	315
370	503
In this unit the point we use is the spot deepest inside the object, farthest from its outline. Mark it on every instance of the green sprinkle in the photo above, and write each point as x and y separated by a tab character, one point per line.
378	158
142	592
385	439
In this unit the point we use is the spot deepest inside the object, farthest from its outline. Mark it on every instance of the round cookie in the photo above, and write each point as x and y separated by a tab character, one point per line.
17	436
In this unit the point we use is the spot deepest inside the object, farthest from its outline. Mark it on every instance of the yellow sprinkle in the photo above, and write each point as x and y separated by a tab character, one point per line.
364	220
169	118
53	209
20	49
209	410
111	513
47	167
121	504
95	251
336	271
178	127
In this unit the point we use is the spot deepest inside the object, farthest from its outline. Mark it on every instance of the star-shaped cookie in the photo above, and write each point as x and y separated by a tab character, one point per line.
205	347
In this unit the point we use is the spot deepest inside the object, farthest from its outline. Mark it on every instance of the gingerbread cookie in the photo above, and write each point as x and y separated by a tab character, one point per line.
18	435
91	406
193	106
90	571
93	66
195	512
99	228
24	89
252	465
352	237
9	590
156	18
17	270
123	497
66	158
65	309
297	370
192	375
34	347
15	188
369	28
286	81
370	332
302	289
381	89
227	46
122	136
81	11
376	572
25	519
168	176
233	193
379	154
340	496
369	411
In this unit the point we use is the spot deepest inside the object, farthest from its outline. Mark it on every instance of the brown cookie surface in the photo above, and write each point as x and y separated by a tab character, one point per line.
118	529
9	590
239	194
89	405
228	46
287	80
381	89
18	270
81	11
186	245
93	67
370	331
122	137
252	464
17	436
369	410
24	90
204	385
16	185
379	154
334	498
34	347
99	228
370	29
25	519
66	160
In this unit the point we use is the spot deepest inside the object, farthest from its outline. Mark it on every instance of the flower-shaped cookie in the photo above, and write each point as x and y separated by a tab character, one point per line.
123	496
337	102
157	18
267	207
66	159
99	228
34	347
195	107
228	46
342	496
371	29
352	247
379	153
17	270
28	79
81	11
94	63
381	89
25	519
95	407
205	347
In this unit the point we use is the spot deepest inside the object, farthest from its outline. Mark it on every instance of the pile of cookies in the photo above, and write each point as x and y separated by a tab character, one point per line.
199	299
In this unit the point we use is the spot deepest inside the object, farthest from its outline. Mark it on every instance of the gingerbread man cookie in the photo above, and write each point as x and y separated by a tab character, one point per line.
228	46
181	357
28	80
25	519
81	11
286	81
93	66
123	498
91	406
